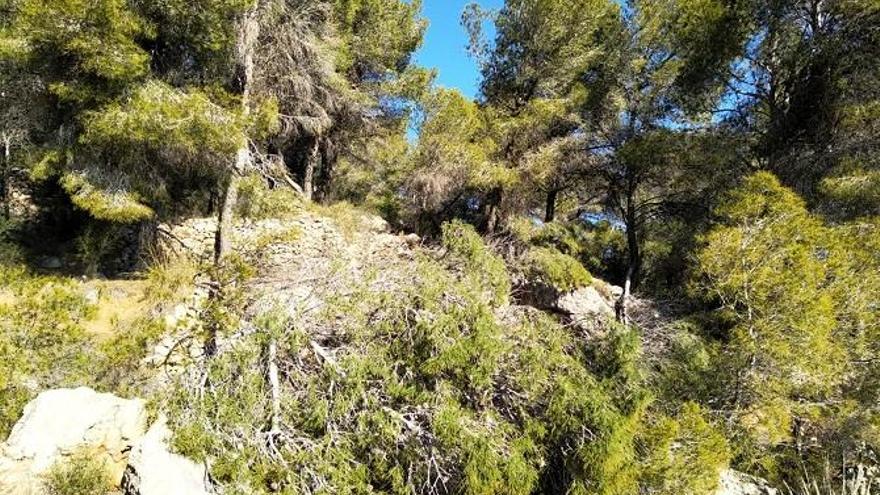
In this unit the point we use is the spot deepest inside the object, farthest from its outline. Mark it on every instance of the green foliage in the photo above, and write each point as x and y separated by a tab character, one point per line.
415	375
683	454
257	201
466	245
75	41
170	279
599	248
42	341
560	271
786	282
782	314
158	116
379	35
104	202
96	244
79	474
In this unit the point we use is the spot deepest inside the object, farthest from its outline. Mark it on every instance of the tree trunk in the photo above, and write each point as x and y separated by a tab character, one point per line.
226	219
633	270
550	207
4	188
493	211
248	33
309	174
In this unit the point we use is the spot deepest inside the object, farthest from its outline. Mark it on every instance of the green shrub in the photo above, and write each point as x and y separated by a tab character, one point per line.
79	474
466	247
99	243
170	279
560	271
681	454
418	382
257	201
42	340
120	368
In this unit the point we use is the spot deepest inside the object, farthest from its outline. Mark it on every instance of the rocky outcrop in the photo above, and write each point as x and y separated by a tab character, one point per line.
154	470
60	423
737	483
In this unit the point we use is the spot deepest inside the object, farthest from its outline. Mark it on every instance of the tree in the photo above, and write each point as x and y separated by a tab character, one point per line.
662	55
803	67
790	294
452	161
533	82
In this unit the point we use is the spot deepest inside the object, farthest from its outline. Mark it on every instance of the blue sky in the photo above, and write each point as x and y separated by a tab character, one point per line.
445	44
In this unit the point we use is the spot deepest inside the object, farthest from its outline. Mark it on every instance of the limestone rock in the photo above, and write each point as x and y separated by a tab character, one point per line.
58	423
737	483
154	470
585	303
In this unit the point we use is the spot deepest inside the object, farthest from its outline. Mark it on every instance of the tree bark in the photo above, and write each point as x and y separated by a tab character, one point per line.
550	206
248	33
633	269
4	177
226	219
493	211
309	174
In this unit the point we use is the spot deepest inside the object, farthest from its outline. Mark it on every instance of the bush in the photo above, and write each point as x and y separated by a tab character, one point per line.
80	474
416	388
466	247
170	279
257	201
42	340
560	271
681	454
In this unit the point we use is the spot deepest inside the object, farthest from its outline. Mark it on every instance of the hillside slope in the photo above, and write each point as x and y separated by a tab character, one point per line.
349	359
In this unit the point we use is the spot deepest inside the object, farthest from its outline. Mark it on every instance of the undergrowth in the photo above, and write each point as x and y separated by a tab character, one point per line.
424	388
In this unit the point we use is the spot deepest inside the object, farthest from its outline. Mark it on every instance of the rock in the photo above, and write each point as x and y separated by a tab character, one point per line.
58	423
737	483
412	240
50	262
585	306
92	296
154	470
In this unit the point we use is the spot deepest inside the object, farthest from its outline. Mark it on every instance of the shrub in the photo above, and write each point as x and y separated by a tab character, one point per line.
416	388
257	201
42	341
79	474
466	247
170	279
681	454
560	271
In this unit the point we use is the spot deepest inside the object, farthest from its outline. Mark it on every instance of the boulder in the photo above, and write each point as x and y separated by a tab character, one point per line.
60	422
736	483
585	302
154	470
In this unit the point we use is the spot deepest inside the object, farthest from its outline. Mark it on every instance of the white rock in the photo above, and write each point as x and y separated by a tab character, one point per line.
585	305
154	470
59	422
737	483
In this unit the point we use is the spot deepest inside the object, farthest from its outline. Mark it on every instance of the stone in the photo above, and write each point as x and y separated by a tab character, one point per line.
60	422
585	306
50	262
154	470
736	483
